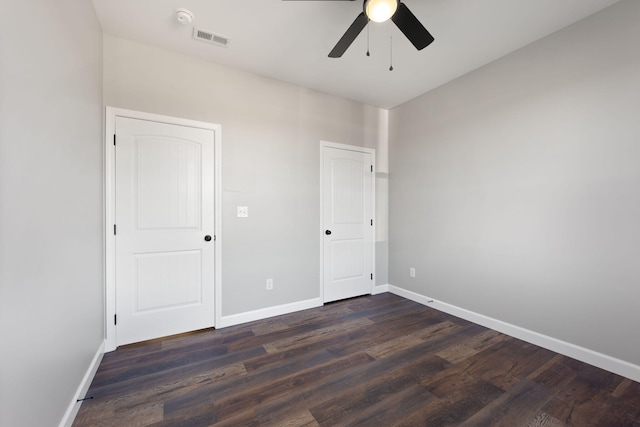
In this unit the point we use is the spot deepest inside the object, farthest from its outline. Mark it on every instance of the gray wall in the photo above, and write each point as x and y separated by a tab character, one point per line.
515	190
271	133
51	295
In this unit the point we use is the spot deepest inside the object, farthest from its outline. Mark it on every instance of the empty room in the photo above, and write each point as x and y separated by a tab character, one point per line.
319	213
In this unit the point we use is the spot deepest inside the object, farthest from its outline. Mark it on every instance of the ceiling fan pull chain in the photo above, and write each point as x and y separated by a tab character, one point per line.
391	54
368	26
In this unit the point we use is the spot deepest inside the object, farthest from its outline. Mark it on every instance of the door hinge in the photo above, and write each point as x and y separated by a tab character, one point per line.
114	229
371	166
371	276
114	139
372	222
115	319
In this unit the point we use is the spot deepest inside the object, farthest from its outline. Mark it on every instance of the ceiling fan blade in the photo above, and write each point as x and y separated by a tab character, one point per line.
348	37
411	27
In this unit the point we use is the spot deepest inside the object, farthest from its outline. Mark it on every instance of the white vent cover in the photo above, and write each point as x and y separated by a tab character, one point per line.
209	37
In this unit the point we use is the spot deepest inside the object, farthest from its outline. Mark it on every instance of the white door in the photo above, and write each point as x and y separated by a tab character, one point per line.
164	242
348	223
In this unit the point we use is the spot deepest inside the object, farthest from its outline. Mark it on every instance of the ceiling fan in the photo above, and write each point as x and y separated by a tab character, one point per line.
381	11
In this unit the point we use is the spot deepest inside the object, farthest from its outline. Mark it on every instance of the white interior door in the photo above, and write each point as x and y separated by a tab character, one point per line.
348	223
164	258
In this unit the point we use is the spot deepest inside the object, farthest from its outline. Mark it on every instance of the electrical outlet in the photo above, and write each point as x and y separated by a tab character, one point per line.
269	284
412	272
243	211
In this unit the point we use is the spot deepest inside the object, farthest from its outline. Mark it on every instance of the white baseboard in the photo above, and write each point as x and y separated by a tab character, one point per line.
74	405
264	313
603	361
380	289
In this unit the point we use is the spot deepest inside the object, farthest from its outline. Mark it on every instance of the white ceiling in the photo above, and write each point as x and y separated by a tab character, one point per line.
290	40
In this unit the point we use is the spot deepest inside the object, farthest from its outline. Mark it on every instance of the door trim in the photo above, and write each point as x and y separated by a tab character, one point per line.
328	144
111	114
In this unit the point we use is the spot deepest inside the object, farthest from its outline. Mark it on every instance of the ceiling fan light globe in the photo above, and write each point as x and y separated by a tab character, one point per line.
380	10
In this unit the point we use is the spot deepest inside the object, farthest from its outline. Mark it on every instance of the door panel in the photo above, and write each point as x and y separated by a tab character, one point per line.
168	183
168	280
164	209
347	259
347	188
348	213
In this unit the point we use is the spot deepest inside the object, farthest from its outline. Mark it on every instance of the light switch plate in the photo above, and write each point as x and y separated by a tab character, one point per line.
243	211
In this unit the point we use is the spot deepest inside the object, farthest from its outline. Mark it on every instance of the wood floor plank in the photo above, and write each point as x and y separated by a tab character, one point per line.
617	415
506	363
329	386
118	387
297	419
208	398
555	374
306	378
475	345
306	338
163	361
372	361
372	392
560	410
542	419
384	301
135	417
379	334
403	308
393	346
454	381
245	419
207	336
581	403
158	394
326	320
455	407
628	395
519	404
387	411
266	360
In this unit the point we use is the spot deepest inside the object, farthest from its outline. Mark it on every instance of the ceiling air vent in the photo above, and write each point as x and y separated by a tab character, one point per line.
209	37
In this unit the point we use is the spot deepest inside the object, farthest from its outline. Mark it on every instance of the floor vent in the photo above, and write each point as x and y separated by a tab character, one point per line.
209	37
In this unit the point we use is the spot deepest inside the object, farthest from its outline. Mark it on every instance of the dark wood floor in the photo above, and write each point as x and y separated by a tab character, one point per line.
372	361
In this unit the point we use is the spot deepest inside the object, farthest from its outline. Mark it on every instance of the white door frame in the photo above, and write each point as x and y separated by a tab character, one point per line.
110	210
358	149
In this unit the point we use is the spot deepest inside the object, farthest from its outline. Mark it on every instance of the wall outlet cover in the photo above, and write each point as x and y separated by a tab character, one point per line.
243	211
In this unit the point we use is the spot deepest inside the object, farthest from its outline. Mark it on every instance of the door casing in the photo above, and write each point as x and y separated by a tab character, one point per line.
109	213
321	230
